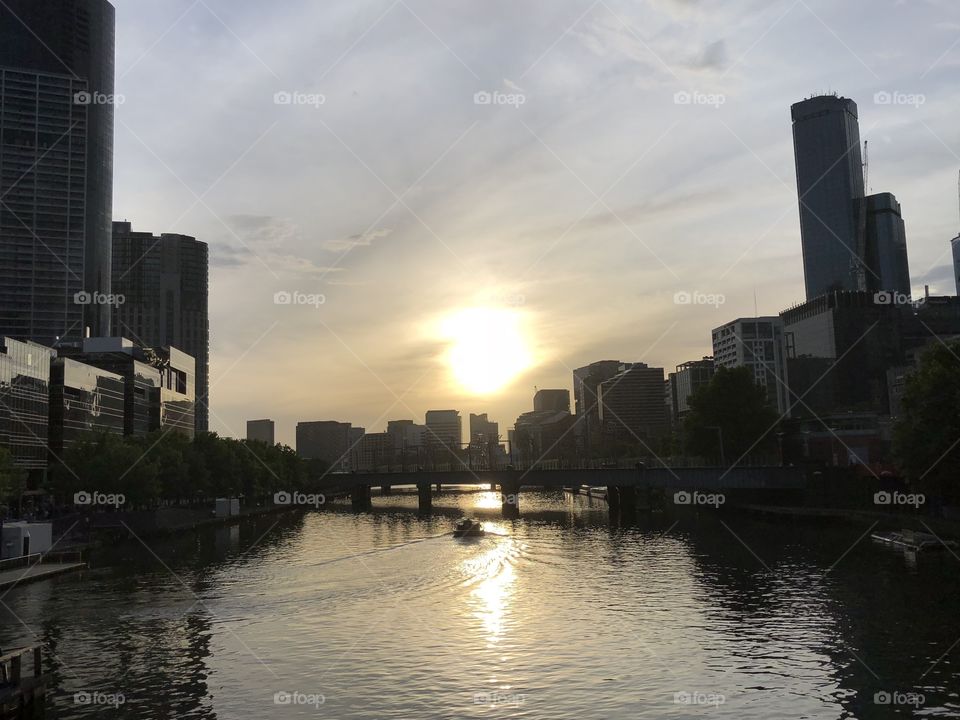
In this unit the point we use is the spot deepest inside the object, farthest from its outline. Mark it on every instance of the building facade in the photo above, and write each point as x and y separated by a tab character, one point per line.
758	344
56	168
25	402
689	377
444	429
261	431
586	380
632	407
163	281
83	400
326	440
955	250
551	401
886	265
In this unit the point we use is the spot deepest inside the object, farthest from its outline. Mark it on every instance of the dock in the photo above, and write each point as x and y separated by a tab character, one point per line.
22	683
33	568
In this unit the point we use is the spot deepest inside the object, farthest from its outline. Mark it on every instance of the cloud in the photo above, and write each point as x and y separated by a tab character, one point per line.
358	240
713	57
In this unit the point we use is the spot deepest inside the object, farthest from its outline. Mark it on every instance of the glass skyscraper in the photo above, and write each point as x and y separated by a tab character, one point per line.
56	167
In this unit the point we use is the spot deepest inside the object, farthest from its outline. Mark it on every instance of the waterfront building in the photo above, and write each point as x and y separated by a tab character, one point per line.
543	436
163	280
758	344
25	403
372	452
586	380
484	442
261	431
159	383
56	168
632	408
326	440
84	400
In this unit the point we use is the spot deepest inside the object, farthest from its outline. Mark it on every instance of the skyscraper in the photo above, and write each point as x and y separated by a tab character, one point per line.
826	143
887	267
586	380
261	431
163	281
56	167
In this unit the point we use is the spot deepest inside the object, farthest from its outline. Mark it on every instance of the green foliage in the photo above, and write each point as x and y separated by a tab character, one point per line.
737	406
12	479
169	467
926	439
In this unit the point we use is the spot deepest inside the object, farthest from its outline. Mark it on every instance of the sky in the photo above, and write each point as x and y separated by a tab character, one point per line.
525	184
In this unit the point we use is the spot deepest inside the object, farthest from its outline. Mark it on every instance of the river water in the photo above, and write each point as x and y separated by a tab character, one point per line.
558	614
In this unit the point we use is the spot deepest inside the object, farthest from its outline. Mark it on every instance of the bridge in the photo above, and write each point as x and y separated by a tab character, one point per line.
625	486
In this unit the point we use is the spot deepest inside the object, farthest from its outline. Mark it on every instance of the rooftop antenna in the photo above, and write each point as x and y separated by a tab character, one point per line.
755	313
866	167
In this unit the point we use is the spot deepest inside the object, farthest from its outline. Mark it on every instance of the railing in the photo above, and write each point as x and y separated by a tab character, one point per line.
22	561
12	665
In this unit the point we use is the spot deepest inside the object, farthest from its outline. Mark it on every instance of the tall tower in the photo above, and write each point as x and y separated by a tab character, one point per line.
164	283
56	167
826	143
955	246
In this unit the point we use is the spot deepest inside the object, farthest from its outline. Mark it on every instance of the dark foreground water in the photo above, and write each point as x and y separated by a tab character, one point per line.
558	615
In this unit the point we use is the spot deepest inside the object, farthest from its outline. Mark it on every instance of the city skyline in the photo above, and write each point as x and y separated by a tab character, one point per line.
707	191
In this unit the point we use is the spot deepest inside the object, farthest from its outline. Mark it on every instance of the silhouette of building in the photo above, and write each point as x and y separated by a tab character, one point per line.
443	436
826	141
56	168
758	344
586	380
482	430
551	401
544	435
163	280
632	407
326	440
689	377
83	399
955	247
886	265
261	430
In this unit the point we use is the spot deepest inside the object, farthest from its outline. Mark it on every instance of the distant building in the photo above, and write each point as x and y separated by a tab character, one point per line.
443	436
586	380
482	430
25	403
632	408
757	344
829	165
159	383
886	264
83	399
164	283
551	401
543	436
56	168
689	377
955	247
373	451
326	440
260	430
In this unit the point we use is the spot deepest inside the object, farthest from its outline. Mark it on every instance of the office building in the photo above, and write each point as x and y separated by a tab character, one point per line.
407	440
632	407
163	280
886	265
84	400
543	436
758	344
25	403
482	430
326	440
689	377
586	380
373	451
551	401
261	431
829	165
159	383
56	168
443	438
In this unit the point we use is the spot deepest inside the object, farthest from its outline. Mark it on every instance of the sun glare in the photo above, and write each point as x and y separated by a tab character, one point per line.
488	348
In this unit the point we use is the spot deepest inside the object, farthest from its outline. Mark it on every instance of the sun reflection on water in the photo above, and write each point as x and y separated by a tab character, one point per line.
491	575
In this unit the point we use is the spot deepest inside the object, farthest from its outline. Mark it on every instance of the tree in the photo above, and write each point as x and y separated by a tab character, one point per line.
733	406
926	439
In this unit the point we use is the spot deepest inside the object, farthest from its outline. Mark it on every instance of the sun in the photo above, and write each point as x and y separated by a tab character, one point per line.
487	348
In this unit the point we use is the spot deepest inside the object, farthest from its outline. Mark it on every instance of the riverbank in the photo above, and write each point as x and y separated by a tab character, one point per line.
941	527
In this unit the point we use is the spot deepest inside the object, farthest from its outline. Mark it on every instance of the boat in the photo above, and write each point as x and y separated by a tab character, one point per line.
468	527
912	541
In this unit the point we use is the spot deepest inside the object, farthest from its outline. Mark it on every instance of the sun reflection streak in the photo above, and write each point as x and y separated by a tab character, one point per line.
492	576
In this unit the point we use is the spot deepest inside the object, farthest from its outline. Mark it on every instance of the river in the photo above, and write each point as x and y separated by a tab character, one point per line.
558	614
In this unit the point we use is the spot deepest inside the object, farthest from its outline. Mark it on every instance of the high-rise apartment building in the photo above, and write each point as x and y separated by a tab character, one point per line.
56	168
163	280
758	344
